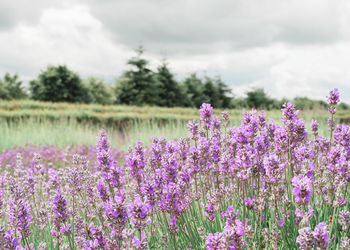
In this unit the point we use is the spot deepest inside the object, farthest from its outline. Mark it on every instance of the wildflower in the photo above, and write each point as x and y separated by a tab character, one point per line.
210	210
140	243
233	234
344	220
305	239
60	212
314	127
215	241
193	128
273	168
225	118
249	203
116	213
172	226
20	216
321	237
230	215
139	213
104	157
98	240
333	98
344	243
206	111
7	239
302	189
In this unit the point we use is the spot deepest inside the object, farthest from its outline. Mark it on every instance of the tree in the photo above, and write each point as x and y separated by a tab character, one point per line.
137	85
59	84
99	92
224	93
193	87
170	94
211	93
257	98
4	94
11	88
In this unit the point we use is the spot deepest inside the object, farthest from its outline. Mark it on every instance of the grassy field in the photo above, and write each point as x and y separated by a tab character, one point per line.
65	124
243	189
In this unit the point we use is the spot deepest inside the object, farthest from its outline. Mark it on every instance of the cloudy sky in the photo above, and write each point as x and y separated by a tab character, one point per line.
288	47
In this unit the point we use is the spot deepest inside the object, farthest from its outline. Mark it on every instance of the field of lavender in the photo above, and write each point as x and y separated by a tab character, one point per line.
261	184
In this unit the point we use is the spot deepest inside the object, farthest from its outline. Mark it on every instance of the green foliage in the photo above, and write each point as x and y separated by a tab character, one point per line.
137	86
64	123
224	92
257	99
343	106
170	93
210	93
239	103
193	87
59	84
11	88
209	90
306	103
99	92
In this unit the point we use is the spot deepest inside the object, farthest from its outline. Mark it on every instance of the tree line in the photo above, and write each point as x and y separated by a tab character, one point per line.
139	86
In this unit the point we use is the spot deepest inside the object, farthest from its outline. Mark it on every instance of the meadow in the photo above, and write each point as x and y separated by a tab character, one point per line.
160	178
65	124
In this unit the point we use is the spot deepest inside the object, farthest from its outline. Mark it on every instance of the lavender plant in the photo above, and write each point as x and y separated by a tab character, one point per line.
260	185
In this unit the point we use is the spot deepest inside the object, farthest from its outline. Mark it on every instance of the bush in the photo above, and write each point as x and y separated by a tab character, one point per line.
59	84
11	88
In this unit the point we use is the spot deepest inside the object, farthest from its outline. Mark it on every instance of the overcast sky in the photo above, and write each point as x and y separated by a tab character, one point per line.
291	48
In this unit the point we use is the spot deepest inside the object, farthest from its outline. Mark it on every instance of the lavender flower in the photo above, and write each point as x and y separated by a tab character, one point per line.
7	239
215	241
140	243
302	189
97	239
20	216
314	127
305	239
193	128
333	98
206	111
210	210
249	203
59	208
344	220
116	213
104	157
60	216
225	118
139	213
344	243
321	236
172	226
273	168
230	215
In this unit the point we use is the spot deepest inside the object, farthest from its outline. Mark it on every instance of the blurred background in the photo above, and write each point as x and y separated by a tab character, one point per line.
106	63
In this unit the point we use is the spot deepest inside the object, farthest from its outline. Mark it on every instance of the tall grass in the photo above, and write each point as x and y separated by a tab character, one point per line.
64	132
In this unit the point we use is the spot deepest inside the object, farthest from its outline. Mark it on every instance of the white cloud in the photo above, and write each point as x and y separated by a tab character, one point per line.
69	36
295	48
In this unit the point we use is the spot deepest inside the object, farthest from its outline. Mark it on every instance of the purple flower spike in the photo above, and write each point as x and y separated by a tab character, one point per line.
139	213
314	127
302	189
215	241
193	128
321	236
333	98
206	111
20	216
305	239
